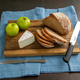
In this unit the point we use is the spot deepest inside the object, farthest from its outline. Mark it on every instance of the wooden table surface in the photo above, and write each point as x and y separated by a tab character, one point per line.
21	5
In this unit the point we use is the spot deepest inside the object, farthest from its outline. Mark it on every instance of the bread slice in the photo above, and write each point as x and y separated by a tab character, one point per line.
48	37
59	22
54	35
39	33
46	45
44	41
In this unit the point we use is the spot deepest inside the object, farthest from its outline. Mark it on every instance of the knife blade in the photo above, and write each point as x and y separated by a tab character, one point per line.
23	61
72	42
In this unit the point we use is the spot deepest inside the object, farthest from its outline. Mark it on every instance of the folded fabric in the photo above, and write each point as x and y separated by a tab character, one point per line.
53	64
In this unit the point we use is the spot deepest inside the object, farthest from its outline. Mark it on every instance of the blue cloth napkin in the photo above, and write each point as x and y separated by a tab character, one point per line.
54	64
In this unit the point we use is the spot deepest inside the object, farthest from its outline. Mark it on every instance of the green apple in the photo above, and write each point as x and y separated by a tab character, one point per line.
23	22
12	29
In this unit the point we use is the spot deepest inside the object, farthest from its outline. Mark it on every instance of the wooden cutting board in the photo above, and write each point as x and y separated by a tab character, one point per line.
35	49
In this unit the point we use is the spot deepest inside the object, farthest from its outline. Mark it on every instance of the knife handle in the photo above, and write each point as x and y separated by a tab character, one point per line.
68	53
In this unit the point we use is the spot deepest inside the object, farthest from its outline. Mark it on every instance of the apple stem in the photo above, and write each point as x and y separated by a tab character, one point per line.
24	18
13	24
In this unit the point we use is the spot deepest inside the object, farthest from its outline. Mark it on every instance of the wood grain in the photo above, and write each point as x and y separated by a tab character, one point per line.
35	49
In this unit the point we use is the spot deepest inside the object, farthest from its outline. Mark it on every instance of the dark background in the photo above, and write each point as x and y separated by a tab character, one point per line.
22	5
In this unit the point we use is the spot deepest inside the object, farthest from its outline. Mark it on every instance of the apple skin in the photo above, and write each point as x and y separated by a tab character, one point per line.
23	22
12	29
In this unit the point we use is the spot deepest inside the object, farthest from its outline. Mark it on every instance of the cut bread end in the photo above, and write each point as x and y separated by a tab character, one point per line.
54	24
59	22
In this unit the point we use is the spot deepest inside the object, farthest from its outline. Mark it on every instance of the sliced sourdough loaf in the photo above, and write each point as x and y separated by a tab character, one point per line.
44	41
39	33
46	45
54	35
48	37
59	22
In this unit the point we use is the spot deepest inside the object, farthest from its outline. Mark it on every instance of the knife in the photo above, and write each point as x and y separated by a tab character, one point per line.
72	42
23	61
